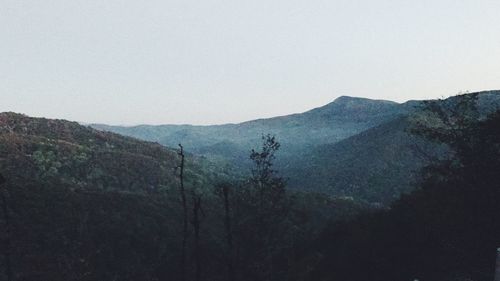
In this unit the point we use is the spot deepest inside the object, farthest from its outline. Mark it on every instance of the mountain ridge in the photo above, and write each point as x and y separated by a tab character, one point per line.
310	136
319	118
339	100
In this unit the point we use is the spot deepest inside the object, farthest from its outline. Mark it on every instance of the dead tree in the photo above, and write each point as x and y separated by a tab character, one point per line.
7	242
184	215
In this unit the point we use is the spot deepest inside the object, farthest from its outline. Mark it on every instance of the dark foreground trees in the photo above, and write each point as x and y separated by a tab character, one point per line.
448	229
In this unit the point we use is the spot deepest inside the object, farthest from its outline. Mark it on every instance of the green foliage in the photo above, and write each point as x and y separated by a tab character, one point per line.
46	163
61	152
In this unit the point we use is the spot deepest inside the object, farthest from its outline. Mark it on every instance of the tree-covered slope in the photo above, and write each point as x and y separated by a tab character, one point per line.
376	165
45	150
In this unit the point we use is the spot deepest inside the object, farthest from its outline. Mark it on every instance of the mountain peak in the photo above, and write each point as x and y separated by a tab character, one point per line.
356	109
346	98
343	103
358	100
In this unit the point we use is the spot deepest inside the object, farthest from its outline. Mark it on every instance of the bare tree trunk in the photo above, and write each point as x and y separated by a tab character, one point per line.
185	216
229	234
8	246
196	226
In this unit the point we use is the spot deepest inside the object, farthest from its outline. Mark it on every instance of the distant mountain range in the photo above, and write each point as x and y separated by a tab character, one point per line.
298	133
353	147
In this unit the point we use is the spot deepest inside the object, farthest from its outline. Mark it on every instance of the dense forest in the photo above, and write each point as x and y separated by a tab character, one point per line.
83	204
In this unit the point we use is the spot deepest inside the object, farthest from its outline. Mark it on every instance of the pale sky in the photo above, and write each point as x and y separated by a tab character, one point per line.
212	61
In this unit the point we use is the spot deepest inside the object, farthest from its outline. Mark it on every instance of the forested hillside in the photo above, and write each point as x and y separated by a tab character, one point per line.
376	165
45	150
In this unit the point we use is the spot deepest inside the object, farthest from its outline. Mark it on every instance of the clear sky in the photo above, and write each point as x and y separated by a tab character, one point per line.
214	61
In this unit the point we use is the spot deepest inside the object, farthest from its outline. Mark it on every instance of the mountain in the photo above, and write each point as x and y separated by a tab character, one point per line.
380	163
375	165
47	151
344	117
352	147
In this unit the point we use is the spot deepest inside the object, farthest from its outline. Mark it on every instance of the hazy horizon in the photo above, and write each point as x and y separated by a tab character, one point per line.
215	62
236	122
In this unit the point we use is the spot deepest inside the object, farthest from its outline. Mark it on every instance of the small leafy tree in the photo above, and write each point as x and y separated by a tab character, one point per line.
269	185
261	224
